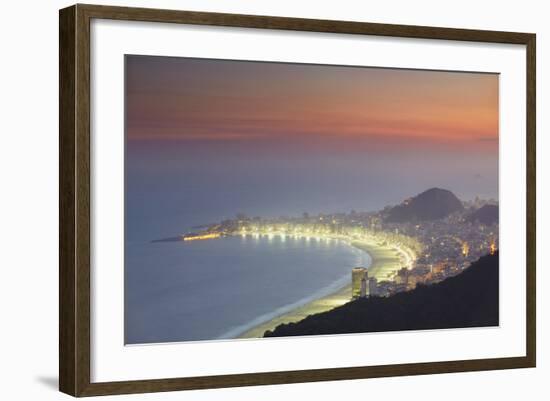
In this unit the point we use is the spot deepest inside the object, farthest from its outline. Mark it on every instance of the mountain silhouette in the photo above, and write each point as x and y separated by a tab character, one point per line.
487	214
433	204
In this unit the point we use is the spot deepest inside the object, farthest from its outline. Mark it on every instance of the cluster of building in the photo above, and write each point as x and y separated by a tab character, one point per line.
430	250
449	246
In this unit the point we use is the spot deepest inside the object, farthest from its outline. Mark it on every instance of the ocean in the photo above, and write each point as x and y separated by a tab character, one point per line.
217	289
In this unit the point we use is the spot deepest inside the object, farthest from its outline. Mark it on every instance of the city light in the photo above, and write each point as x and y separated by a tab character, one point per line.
201	236
423	253
465	249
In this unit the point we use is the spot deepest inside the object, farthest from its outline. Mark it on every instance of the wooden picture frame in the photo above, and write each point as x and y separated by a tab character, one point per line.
74	203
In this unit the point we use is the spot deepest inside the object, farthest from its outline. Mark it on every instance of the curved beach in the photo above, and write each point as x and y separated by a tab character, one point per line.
386	260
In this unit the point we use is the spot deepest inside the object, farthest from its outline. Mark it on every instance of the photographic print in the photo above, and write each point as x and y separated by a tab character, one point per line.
270	199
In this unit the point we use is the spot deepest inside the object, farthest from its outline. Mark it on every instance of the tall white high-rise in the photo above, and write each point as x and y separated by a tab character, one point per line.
358	274
363	292
373	287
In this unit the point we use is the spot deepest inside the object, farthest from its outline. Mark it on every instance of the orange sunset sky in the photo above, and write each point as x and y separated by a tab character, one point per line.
202	100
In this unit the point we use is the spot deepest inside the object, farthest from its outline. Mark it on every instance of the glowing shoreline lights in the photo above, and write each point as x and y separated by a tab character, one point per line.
196	237
412	263
406	246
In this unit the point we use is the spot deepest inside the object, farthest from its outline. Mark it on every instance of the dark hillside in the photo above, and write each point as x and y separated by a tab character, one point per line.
470	299
487	214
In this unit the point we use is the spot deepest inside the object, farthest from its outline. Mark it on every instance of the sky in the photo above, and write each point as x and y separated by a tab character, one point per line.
202	99
331	136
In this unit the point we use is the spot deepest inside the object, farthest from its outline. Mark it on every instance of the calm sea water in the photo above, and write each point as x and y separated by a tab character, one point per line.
204	290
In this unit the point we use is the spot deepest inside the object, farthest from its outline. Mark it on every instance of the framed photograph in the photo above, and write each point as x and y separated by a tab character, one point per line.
250	200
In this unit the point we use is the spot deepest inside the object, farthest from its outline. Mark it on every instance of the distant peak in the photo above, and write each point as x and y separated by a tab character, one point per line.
435	190
432	204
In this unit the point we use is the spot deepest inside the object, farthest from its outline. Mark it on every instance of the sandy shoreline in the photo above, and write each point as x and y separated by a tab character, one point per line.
385	261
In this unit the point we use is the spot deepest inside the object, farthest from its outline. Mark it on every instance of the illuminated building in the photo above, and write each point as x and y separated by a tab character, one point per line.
358	274
363	292
373	287
465	249
438	268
